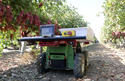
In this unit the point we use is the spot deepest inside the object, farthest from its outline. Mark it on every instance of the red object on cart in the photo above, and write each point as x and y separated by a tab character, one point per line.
58	42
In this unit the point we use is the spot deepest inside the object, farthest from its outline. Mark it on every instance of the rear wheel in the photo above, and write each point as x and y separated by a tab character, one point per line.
79	65
41	63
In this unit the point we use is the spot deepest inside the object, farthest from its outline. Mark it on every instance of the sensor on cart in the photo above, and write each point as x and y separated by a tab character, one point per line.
47	30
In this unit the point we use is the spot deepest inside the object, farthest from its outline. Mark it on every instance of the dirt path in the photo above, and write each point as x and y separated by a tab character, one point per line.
106	64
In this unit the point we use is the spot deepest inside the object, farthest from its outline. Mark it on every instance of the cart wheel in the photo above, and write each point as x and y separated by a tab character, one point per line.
86	59
79	65
41	63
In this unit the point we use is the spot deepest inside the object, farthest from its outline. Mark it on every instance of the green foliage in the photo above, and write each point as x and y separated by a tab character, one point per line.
59	12
114	12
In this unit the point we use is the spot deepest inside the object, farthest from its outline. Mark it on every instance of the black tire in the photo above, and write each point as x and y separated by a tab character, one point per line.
41	63
79	65
86	59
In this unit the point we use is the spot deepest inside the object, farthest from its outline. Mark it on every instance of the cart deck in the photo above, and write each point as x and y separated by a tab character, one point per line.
40	38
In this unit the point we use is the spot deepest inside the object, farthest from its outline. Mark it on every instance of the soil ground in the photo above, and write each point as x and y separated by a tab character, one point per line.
106	64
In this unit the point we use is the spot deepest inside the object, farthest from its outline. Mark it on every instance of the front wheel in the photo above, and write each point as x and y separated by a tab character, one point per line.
79	65
41	63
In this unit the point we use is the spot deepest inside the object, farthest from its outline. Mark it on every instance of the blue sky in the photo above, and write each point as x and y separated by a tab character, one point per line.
89	10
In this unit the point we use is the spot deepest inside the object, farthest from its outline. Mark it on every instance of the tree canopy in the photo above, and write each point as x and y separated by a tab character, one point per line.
20	17
114	24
